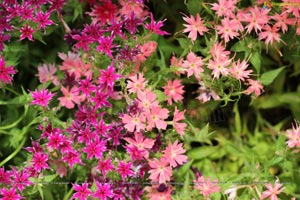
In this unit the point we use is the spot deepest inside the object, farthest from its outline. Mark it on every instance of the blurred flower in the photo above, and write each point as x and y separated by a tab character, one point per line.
46	73
82	192
70	97
106	12
255	86
269	34
294	137
271	191
206	187
10	194
125	169
179	126
6	72
155	26
228	30
161	171
104	166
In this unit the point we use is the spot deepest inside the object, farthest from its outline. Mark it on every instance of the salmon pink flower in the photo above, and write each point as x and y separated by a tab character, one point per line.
193	64
160	170
46	73
174	91
82	192
224	7
272	191
155	118
41	97
6	72
206	187
256	19
147	99
218	51
129	6
194	26
179	126
173	154
176	64
238	70
136	83
134	122
70	97
294	137
255	86
282	21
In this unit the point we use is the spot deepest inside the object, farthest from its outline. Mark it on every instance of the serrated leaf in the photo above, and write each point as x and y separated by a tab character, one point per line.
268	77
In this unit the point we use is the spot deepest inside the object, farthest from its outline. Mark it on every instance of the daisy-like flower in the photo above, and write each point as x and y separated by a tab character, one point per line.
206	187
179	126
134	122
147	99
161	171
39	161
104	166
6	72
43	19
125	170
294	137
224	7
228	29
174	91
194	26
193	64
173	154
238	70
82	191
136	83
41	97
272	191
255	86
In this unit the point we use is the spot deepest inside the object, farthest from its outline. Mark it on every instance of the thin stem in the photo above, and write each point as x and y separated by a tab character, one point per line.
14	153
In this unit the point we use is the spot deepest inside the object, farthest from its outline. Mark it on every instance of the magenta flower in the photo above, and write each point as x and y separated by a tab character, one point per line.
39	161
83	41
43	19
103	191
155	26
3	38
10	194
4	176
72	157
124	169
95	148
100	99
41	97
26	32
56	139
105	46
104	166
108	77
20	179
6	72
82	192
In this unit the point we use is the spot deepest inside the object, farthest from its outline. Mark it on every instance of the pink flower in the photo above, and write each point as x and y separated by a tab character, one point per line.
6	72
271	191
159	192
174	91
255	86
136	83
137	7
193	64
103	191
20	179
294	137
282	21
125	169
218	51
70	97
176	64
155	26
155	118
105	166
219	67
39	161
224	7
10	194
82	192
228	29
161	171
41	97
4	176
270	34
238	70
83	41
206	187
26	32
106	12
194	26
95	148
72	157
141	142
43	19
133	122
147	99
46	73
173	154
178	116
105	46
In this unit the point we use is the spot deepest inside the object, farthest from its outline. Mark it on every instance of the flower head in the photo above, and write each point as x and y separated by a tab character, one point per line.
6	72
41	97
206	187
82	192
255	86
194	26
26	32
160	170
174	91
173	154
294	137
155	26
272	191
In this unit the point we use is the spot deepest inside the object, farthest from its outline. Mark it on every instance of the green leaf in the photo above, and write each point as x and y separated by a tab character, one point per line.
256	61
50	178
160	95
268	77
237	119
201	152
194	6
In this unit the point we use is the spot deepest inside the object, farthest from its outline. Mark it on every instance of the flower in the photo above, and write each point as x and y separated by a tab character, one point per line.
161	171
39	161
155	26
46	73
72	157
224	7
255	86
105	45
105	166
193	64
70	97
41	97
173	154
26	32
82	192
206	187
219	67
270	34
156	116
124	169
133	122
174	91
43	19
6	72
271	191
103	191
136	83
238	70
179	127
106	12
194	26
95	147
10	194
228	29
294	137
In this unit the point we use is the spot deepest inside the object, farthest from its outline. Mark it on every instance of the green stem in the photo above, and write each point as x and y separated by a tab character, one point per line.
12	91
14	153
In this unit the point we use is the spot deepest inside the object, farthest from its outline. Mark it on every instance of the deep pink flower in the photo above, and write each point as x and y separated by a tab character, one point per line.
20	179
100	99
108	77
105	45
83	41
55	140
125	169
72	157
6	72
206	187
9	194
104	166
82	192
41	97
4	176
86	86
26	32
106	12
26	11
160	170
43	19
173	154
194	26
155	26
174	91
103	191
272	191
3	38
39	161
95	148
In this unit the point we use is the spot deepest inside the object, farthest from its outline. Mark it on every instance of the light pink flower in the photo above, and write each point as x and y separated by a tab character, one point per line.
294	137
206	187
194	26
173	154
271	191
219	67
46	73
161	171
179	126
134	123
228	29
136	83
70	97
255	86
155	118
269	34
238	70
174	91
193	64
